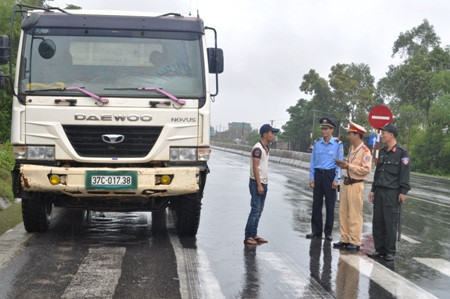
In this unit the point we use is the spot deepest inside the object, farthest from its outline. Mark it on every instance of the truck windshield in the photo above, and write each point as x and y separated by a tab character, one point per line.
105	62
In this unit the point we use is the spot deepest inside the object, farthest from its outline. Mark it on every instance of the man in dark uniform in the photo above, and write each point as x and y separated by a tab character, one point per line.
324	175
389	189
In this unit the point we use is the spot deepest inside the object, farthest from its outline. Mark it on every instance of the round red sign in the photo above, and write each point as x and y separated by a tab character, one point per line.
380	116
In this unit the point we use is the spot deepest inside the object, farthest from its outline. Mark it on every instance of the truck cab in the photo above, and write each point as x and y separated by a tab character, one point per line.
111	112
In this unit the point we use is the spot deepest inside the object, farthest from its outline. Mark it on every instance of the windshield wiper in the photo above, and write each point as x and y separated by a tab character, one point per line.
99	99
158	90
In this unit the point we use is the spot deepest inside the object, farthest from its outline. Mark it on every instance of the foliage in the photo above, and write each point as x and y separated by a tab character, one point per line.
6	165
253	137
72	6
417	90
5	94
297	129
353	90
348	95
419	38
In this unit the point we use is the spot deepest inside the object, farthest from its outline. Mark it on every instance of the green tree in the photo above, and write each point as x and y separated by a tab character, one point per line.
417	90
349	94
417	39
298	128
6	7
413	81
353	91
72	6
253	137
430	151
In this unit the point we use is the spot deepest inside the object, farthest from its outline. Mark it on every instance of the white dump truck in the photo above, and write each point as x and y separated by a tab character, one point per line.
110	112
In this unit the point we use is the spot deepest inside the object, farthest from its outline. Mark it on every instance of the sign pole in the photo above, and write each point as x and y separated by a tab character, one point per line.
379	116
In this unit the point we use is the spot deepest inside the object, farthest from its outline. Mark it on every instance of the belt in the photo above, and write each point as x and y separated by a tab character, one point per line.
253	180
350	181
320	170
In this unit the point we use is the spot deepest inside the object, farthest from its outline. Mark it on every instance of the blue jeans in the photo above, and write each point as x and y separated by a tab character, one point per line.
257	206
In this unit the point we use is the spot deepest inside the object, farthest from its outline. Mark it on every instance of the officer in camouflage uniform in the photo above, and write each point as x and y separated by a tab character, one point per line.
389	189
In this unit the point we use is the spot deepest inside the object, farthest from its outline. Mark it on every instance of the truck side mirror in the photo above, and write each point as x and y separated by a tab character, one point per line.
215	60
4	49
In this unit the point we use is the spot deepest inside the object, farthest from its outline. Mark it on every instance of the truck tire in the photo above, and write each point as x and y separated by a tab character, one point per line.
36	213
158	221
187	212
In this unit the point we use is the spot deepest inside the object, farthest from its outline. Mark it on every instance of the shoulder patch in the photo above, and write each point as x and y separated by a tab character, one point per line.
256	153
405	160
365	148
337	139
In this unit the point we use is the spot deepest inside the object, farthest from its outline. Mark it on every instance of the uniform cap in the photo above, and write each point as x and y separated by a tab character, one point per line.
391	129
326	122
267	128
355	128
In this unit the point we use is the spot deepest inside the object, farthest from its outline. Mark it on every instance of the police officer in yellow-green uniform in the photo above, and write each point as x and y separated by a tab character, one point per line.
389	189
357	165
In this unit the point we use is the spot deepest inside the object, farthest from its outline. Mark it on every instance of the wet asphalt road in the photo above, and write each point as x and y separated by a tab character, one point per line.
119	255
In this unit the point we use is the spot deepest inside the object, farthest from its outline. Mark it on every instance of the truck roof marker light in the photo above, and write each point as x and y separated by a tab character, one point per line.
100	101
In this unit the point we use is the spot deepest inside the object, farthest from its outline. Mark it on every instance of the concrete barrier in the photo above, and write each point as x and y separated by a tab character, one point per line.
295	159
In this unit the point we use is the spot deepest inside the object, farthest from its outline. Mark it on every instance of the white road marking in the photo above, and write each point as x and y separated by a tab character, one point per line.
12	243
98	275
440	265
392	282
194	270
292	283
410	240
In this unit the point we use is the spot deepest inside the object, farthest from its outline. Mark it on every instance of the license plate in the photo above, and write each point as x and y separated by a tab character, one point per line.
111	179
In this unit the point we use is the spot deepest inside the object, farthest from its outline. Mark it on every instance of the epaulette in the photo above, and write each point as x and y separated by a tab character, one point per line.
365	148
337	139
317	140
402	148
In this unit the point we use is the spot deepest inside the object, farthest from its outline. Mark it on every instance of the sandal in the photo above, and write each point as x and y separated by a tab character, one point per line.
250	241
260	240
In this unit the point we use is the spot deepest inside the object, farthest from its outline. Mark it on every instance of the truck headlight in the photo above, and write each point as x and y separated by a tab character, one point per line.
34	152
204	153
182	154
189	154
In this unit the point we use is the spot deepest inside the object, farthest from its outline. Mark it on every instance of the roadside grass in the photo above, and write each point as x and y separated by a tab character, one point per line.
6	165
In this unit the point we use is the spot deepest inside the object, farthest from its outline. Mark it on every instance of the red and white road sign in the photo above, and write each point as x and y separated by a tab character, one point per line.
380	116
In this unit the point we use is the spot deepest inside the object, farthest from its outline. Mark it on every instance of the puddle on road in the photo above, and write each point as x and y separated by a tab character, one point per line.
10	217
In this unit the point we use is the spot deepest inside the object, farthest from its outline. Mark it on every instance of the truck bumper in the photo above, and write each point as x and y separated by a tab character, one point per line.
36	178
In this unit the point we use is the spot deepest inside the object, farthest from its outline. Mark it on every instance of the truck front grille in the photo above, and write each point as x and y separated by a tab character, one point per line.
88	141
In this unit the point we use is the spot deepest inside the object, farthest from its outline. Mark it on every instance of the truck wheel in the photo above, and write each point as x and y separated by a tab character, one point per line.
158	221
188	214
36	213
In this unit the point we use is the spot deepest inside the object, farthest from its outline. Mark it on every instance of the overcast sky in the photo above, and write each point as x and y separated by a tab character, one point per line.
270	44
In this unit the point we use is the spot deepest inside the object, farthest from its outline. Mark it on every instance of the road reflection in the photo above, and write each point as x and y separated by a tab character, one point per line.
251	279
347	279
315	251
